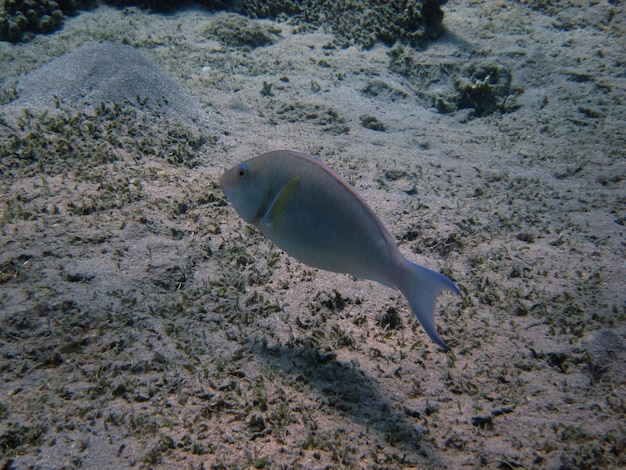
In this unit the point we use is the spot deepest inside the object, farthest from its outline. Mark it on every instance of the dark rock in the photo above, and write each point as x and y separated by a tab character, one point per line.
483	422
236	30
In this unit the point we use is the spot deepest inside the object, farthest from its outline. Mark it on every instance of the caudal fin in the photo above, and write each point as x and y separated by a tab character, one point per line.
421	286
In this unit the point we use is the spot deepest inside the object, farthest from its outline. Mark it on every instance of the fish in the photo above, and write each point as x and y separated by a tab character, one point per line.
313	214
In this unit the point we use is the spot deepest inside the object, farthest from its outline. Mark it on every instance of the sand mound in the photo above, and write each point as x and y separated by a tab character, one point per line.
104	73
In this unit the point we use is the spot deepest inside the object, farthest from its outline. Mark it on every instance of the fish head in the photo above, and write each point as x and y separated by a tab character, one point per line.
246	188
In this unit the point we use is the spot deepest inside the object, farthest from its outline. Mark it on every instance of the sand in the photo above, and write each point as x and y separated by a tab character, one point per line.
144	325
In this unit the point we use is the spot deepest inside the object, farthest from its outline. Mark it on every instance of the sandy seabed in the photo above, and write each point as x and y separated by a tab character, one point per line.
144	325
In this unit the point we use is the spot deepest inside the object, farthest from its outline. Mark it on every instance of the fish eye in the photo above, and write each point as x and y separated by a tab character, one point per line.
243	170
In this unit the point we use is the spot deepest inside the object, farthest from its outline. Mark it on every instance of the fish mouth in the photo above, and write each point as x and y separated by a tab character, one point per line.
227	192
222	185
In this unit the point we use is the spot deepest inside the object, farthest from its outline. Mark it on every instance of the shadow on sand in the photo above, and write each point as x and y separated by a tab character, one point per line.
347	390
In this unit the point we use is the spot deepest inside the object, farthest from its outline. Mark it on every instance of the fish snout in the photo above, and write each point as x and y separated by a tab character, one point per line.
223	183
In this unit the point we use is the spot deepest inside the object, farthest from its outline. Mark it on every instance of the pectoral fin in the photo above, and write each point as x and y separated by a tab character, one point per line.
274	216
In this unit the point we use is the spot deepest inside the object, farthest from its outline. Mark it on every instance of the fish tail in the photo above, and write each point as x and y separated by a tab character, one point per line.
421	286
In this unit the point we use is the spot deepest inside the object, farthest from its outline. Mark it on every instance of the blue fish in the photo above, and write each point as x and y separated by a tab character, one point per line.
314	215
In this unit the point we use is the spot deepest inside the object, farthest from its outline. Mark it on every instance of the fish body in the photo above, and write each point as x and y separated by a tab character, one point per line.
314	215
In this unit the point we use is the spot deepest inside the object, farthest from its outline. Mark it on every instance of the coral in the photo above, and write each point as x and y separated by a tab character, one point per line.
482	87
19	20
361	22
486	90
